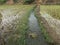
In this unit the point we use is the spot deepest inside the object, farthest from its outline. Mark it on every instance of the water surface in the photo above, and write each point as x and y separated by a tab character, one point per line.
34	29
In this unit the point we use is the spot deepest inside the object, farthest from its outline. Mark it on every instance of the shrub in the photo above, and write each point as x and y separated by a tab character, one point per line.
2	1
29	1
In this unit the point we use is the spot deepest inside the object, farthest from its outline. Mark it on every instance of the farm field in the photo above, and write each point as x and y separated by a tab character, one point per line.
16	22
29	22
53	10
49	20
13	24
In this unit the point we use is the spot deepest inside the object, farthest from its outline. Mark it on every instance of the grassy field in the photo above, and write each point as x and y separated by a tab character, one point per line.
18	37
53	10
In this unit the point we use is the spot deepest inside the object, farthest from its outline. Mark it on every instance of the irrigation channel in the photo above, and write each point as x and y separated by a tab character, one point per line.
34	35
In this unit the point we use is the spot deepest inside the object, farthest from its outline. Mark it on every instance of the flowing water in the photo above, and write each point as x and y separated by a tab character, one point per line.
34	35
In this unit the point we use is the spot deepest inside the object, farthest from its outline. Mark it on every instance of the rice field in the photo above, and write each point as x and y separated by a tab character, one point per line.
14	31
53	10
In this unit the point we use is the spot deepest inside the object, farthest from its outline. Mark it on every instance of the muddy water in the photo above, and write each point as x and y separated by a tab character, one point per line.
34	36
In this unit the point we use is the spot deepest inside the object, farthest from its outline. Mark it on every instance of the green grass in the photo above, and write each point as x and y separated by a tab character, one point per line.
18	37
2	7
53	10
44	32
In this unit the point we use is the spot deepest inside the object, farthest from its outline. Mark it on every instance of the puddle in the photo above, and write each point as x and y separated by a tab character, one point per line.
34	36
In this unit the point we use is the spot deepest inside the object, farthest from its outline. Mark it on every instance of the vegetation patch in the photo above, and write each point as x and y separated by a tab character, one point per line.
17	35
53	10
44	31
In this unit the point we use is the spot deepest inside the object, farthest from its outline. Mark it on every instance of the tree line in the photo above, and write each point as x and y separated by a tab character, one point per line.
29	1
16	1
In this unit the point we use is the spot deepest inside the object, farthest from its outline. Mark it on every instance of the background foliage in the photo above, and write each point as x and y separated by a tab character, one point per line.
2	1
